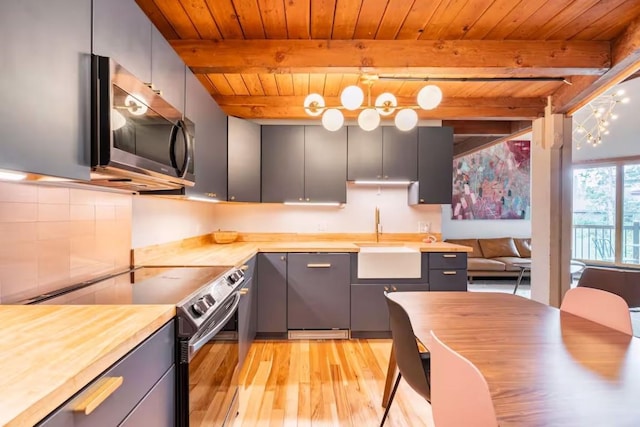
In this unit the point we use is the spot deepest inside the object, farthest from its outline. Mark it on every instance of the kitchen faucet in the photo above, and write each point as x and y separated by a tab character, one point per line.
378	226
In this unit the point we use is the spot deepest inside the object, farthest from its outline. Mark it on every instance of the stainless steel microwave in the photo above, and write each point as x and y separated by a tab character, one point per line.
139	141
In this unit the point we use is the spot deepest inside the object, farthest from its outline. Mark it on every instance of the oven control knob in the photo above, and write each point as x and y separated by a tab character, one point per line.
200	307
232	278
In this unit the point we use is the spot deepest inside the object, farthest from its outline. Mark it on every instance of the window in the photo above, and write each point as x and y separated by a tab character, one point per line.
606	213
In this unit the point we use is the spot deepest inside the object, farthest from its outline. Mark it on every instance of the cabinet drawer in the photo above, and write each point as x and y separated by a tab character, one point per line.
448	280
448	260
158	406
140	369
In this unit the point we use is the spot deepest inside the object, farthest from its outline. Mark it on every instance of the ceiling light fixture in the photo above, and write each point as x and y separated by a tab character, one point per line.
592	122
352	98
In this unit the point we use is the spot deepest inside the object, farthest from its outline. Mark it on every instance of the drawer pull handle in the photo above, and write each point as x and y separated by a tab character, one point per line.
327	265
394	289
98	393
244	267
449	273
449	256
386	289
244	291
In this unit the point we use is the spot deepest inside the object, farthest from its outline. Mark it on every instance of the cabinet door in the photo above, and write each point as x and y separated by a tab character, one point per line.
435	166
272	292
282	163
318	291
158	408
246	313
325	165
211	141
364	155
123	32
167	70
399	154
244	160
45	65
369	312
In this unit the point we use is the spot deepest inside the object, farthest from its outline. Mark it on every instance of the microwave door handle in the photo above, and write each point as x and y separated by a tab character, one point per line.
180	171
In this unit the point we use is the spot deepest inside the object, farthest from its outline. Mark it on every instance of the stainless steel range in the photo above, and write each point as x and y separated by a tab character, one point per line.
206	299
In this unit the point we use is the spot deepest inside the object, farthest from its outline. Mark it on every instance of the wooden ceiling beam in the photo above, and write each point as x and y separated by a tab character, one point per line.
435	58
473	128
625	52
474	144
290	107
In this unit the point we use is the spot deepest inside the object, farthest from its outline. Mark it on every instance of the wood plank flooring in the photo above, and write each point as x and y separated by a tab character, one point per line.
323	383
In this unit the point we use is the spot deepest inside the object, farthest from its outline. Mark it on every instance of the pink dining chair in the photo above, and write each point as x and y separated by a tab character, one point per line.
459	393
599	306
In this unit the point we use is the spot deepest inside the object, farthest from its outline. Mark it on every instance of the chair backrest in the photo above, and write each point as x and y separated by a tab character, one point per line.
625	283
406	349
598	306
460	394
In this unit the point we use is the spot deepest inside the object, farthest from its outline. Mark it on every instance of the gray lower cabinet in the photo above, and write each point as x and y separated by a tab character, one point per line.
244	160
272	293
210	161
45	69
247	312
318	291
369	312
435	167
448	271
147	391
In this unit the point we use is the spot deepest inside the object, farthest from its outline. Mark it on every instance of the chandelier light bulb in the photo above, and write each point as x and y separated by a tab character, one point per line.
314	104
386	104
614	117
625	100
352	97
332	119
620	92
429	97
406	119
369	119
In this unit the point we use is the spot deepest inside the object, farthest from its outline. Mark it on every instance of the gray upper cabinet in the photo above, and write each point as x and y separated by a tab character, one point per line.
303	164
45	84
399	154
210	143
123	32
167	70
384	153
325	165
244	160
364	153
435	167
282	163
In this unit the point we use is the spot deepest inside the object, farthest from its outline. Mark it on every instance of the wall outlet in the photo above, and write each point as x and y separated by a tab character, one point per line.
423	227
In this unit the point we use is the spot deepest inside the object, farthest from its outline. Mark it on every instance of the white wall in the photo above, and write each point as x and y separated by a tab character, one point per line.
161	220
357	216
624	139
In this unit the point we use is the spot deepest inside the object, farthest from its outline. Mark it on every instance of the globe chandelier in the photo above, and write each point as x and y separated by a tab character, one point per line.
353	97
592	123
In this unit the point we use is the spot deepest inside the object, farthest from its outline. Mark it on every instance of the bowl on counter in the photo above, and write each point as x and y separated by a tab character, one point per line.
225	236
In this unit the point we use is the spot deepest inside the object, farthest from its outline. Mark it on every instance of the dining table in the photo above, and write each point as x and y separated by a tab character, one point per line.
544	367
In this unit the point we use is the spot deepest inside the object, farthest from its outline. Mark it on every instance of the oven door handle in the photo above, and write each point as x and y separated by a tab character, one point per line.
198	343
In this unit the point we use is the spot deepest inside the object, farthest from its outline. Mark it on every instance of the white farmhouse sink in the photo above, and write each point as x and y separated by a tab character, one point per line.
388	262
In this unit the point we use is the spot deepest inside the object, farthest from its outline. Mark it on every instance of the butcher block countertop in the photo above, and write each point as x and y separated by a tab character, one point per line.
203	252
48	353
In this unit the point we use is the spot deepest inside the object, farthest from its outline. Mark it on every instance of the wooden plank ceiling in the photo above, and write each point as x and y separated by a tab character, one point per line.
260	58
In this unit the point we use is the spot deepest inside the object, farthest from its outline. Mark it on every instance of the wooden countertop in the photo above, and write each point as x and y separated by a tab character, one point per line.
48	353
235	254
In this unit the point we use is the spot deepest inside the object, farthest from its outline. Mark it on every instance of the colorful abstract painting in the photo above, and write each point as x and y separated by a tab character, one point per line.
494	183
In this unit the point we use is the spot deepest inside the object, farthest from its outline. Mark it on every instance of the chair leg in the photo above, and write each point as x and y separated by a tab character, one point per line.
393	393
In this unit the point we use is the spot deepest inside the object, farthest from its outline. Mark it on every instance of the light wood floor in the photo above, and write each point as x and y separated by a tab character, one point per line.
323	383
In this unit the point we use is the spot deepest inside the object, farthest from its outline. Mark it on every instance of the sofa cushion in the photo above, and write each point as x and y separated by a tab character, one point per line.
493	248
524	247
484	264
472	243
511	261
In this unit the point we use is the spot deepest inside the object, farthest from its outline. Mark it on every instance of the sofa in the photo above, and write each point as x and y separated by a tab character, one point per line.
496	256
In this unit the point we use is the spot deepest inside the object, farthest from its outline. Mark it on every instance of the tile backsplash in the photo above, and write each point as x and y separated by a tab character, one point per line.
53	236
